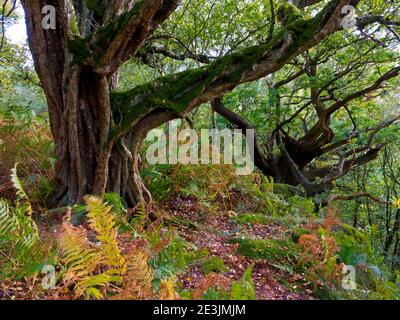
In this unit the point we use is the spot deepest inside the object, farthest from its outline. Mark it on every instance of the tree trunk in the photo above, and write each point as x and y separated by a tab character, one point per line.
82	146
88	160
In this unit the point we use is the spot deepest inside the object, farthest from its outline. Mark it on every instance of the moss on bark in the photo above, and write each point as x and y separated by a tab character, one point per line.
78	48
176	92
106	34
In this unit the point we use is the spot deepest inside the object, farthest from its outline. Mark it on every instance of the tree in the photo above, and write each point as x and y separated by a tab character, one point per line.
307	94
7	15
98	131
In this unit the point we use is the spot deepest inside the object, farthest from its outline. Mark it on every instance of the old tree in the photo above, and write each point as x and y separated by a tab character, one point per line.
98	131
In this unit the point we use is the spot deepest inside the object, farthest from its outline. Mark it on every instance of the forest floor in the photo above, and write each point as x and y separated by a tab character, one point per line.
210	232
214	232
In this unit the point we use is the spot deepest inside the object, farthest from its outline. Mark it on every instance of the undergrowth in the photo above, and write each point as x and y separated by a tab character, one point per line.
112	252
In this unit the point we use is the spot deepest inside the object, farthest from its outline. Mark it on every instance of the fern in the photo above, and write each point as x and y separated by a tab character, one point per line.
8	222
244	288
25	227
22	197
80	259
19	236
83	260
138	221
115	200
138	278
93	268
167	289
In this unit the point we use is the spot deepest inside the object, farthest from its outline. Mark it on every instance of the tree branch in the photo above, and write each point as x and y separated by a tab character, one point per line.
122	38
387	76
352	197
183	91
260	160
174	55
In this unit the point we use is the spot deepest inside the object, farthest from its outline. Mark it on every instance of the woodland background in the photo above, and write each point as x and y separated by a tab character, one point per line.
326	192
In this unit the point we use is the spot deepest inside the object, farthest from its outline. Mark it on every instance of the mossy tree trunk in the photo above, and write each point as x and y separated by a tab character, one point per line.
98	132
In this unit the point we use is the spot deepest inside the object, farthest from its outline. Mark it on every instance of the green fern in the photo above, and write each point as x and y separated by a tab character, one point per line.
8	222
22	197
138	221
117	203
244	288
19	236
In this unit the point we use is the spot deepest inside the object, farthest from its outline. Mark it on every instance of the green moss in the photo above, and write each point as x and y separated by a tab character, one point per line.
233	66
268	249
79	50
251	218
301	32
287	190
301	28
357	235
176	92
355	246
173	92
106	34
289	13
